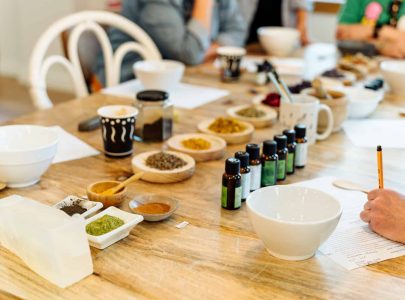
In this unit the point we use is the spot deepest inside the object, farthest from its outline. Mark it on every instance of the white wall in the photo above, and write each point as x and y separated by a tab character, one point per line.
322	27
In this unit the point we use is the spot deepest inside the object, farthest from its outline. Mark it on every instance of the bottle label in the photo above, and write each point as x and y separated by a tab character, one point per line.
301	153
245	185
255	177
281	169
231	199
269	173
290	162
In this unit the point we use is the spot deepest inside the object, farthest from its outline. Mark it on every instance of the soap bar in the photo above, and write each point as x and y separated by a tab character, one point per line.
50	242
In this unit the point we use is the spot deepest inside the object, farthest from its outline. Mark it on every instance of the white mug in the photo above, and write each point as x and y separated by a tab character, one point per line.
304	110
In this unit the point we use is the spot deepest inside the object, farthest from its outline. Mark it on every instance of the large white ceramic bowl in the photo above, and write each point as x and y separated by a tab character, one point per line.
278	41
159	74
26	151
293	221
394	74
362	102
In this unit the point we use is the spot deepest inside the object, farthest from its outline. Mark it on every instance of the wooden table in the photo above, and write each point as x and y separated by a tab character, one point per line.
217	256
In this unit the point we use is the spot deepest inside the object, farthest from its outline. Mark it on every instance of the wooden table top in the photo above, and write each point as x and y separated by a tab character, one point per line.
217	256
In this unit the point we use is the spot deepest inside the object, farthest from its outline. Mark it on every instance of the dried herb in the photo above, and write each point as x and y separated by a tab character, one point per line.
196	144
251	112
103	225
164	161
226	125
73	208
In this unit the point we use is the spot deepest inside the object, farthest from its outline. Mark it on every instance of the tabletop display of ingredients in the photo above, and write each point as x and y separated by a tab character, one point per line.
226	125
251	112
196	144
164	161
153	208
103	225
73	208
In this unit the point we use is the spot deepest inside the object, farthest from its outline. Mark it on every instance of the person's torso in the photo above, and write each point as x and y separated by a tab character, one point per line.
385	16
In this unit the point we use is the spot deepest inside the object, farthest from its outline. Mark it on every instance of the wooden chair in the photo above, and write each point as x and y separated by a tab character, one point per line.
77	24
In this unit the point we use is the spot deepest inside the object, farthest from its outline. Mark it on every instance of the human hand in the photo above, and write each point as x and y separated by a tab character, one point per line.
356	32
385	213
391	42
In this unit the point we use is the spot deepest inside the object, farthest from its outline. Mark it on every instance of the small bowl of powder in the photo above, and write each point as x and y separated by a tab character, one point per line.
154	207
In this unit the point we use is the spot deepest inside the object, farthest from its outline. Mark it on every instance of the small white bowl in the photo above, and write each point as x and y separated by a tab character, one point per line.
91	206
144	199
362	102
279	41
394	74
26	151
105	240
162	75
293	221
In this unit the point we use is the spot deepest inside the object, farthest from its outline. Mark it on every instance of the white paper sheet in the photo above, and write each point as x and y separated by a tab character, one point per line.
70	147
353	244
185	96
373	132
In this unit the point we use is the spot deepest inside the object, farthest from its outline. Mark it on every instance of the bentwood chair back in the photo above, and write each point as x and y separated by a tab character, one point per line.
79	23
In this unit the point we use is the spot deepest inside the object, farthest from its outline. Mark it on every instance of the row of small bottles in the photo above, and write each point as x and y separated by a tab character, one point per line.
248	170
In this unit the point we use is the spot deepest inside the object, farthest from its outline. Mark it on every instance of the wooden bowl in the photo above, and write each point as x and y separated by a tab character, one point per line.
266	121
216	151
159	176
339	106
94	193
231	138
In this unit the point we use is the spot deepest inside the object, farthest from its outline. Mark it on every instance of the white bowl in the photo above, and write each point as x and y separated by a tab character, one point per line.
162	75
109	238
278	41
293	221
362	102
394	74
26	151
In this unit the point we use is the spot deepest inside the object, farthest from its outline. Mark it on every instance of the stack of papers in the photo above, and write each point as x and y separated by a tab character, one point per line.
70	147
353	244
185	96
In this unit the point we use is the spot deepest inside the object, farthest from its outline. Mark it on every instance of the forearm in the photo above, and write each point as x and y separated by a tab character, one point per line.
302	17
354	32
202	12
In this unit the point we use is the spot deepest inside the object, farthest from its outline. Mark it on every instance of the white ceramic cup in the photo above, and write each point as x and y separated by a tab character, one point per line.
305	110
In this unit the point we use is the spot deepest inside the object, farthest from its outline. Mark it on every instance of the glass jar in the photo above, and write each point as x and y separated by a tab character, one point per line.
155	118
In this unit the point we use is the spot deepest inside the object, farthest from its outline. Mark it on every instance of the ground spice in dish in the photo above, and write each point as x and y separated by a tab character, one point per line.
196	144
73	208
226	125
153	208
164	161
251	112
103	225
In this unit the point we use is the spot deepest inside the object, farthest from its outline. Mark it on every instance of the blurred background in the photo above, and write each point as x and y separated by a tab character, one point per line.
22	22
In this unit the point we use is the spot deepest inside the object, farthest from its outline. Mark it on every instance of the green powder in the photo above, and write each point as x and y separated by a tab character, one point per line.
103	225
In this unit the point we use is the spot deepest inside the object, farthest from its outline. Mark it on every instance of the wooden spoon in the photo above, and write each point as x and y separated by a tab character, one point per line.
348	185
113	190
2	186
320	91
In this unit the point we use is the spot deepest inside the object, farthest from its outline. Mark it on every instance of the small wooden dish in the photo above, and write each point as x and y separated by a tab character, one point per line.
159	176
94	193
144	199
216	151
231	138
266	121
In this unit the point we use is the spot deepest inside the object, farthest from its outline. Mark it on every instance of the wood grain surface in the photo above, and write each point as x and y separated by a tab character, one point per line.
217	256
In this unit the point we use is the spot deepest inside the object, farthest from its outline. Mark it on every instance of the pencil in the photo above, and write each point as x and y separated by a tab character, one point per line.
380	168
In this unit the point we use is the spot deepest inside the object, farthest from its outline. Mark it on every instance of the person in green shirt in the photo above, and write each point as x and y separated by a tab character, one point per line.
379	22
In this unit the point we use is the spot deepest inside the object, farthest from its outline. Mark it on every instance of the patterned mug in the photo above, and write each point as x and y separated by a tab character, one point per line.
304	110
117	127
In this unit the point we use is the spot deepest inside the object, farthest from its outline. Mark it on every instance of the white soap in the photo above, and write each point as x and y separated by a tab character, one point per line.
50	242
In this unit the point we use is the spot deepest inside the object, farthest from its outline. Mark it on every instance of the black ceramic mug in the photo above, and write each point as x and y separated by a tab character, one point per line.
117	128
230	59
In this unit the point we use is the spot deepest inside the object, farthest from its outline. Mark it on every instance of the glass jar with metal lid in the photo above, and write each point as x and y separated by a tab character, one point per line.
155	119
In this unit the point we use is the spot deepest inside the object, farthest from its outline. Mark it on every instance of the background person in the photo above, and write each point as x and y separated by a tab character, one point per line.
288	13
185	30
374	21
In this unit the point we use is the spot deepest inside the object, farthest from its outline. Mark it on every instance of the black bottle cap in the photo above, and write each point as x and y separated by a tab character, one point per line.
243	157
290	134
253	150
379	148
281	141
232	166
152	96
300	130
269	147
